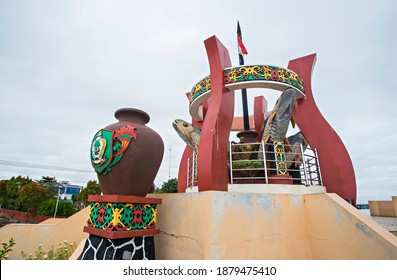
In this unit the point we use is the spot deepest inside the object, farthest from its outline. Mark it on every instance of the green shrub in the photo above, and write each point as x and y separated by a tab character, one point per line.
63	252
247	164
65	208
6	249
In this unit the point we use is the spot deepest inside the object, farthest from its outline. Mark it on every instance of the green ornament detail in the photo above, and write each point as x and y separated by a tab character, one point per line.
122	216
108	147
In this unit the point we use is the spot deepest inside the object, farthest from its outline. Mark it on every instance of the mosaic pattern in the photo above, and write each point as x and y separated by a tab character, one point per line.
122	216
250	73
279	153
200	88
136	248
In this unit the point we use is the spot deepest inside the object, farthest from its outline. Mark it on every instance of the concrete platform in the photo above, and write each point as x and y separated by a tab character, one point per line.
275	189
389	223
214	225
269	188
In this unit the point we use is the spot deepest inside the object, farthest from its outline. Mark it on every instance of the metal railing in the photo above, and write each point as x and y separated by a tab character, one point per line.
246	162
254	163
192	170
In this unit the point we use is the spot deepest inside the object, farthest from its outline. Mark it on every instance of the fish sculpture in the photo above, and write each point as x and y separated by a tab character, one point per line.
293	156
275	129
188	132
276	125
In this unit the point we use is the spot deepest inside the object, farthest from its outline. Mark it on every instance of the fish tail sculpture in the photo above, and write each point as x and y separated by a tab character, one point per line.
293	156
274	134
276	125
188	132
191	136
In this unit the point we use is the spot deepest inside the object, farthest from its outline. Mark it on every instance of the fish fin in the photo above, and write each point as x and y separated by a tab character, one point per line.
263	127
293	121
287	145
188	136
267	139
272	116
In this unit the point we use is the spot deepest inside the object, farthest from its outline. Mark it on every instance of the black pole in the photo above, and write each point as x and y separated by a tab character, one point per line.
243	91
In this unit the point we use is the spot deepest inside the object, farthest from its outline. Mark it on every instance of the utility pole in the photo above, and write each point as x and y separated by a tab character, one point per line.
56	205
241	52
169	164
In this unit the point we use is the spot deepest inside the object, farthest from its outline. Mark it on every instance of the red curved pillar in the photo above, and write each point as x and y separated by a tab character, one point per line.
335	163
260	109
214	139
187	153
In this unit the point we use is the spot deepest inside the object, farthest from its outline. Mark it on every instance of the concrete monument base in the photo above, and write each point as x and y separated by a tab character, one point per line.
274	225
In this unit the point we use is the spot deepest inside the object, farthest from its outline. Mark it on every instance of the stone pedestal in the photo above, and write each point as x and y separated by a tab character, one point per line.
136	248
121	227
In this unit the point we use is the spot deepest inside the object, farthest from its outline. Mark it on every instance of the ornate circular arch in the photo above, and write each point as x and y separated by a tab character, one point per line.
246	76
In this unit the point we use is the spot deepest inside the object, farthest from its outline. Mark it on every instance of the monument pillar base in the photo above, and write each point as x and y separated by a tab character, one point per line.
121	227
136	248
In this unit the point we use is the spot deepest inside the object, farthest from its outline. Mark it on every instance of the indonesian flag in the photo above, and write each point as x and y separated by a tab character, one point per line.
241	48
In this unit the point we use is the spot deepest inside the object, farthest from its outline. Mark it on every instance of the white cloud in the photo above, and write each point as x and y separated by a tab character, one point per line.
66	66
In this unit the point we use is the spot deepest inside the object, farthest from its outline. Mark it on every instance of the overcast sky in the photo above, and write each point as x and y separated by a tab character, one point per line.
67	66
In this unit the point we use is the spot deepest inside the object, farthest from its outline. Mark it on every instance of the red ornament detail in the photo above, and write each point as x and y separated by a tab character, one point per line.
120	227
138	213
125	134
274	75
109	227
125	130
89	223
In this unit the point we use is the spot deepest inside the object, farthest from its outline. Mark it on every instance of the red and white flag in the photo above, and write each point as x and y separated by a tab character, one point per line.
241	48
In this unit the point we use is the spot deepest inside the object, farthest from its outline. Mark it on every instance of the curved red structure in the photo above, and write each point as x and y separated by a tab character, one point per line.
335	163
214	139
260	109
187	153
218	112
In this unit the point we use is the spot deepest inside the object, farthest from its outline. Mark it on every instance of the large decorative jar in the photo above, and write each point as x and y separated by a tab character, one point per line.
127	154
121	222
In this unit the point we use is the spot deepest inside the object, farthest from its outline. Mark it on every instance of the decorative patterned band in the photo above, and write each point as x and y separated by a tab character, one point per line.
247	76
122	216
279	152
120	234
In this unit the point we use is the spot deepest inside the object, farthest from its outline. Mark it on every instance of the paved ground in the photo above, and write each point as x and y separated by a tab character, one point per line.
389	223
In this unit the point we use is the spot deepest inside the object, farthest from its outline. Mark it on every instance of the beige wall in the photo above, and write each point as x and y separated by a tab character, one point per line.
27	237
394	199
384	208
222	225
337	230
225	225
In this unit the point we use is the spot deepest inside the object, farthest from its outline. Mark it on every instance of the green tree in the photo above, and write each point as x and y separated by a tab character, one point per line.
3	194
92	188
65	208
170	186
11	192
51	184
31	195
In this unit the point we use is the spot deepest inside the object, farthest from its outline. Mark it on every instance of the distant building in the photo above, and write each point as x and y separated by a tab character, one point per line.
67	190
